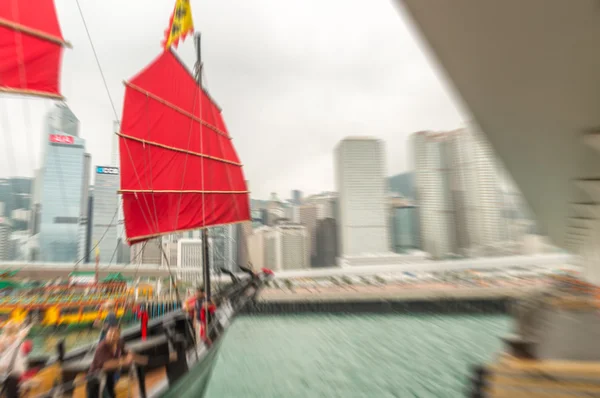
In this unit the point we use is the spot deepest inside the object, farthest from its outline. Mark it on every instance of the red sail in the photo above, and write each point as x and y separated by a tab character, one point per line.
30	48
179	169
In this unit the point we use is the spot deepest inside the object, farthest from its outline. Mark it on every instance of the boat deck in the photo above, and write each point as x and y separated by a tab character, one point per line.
127	387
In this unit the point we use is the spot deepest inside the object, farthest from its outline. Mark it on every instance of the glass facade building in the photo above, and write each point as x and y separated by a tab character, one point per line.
63	188
105	214
405	229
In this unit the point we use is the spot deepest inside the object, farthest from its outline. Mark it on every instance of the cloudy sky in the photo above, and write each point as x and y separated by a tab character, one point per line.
292	77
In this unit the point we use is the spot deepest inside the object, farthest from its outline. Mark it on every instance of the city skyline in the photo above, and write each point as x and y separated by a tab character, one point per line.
348	84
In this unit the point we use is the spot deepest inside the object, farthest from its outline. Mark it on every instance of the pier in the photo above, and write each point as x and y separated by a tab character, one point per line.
390	299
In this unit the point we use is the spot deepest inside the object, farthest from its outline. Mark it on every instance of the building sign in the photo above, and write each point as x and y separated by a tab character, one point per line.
107	170
62	139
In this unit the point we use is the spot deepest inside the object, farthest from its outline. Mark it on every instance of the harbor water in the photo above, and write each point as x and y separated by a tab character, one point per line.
348	355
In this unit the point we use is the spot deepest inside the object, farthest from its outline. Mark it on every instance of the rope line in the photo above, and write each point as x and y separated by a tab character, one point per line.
112	104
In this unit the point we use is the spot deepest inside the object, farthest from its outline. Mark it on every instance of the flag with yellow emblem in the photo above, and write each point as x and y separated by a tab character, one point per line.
180	25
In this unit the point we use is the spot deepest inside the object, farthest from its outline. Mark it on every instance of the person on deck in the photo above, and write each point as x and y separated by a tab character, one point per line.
207	311
109	321
143	317
13	358
198	303
190	305
113	358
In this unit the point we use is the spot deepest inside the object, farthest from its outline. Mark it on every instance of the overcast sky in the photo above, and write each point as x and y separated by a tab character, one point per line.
293	78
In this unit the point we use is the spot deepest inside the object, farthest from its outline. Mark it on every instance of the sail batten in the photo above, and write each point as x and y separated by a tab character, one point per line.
31	46
179	169
193	153
178	191
176	108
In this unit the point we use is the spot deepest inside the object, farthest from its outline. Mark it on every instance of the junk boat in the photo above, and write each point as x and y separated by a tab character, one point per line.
179	172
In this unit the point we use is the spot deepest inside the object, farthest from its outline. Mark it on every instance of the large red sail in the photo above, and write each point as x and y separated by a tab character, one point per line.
30	48
179	169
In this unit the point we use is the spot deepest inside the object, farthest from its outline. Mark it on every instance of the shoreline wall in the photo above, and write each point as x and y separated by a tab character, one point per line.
435	306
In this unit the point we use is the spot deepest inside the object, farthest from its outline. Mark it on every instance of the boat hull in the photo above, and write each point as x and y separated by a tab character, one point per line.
195	382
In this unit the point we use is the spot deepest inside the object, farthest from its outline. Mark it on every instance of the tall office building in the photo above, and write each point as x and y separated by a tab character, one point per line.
286	247
256	247
15	194
457	191
327	245
488	194
90	225
147	252
62	187
5	242
223	248
308	217
362	186
433	194
325	203
275	210
124	251
105	214
189	259
84	220
405	229
296	196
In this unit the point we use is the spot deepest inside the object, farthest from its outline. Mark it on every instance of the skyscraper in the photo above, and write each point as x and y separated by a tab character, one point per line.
63	187
124	251
286	247
84	212
105	217
362	186
296	196
308	217
5	230
405	228
457	191
223	248
327	245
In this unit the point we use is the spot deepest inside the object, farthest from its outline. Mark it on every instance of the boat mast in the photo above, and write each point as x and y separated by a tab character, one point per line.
205	253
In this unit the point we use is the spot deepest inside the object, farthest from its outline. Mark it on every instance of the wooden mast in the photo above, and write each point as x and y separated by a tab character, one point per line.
205	251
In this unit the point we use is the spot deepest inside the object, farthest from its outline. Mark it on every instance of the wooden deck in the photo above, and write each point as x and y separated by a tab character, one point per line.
127	387
512	377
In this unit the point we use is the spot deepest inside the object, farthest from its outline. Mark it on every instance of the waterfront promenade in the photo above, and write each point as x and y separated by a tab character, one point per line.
395	298
397	292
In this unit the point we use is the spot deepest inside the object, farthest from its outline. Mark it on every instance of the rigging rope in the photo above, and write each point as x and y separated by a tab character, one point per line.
101	238
22	76
149	224
237	210
112	104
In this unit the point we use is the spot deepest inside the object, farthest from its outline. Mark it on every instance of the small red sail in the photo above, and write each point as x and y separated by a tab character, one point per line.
31	46
179	169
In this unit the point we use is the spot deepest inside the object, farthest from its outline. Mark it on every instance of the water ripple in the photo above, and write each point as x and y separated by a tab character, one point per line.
353	356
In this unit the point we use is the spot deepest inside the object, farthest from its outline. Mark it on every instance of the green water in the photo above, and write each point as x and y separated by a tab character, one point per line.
345	356
353	356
